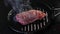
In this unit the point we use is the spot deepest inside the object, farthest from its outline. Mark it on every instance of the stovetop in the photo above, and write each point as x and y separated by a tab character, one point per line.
54	28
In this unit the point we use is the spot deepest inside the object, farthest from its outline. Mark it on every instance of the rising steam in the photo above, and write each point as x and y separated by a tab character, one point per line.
18	5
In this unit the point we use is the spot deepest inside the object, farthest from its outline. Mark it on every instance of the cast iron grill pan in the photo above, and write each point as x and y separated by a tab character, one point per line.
33	27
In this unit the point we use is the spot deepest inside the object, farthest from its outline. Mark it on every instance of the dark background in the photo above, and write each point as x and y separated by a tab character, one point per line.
53	29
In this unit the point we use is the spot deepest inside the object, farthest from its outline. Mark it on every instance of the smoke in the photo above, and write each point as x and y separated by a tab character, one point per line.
18	5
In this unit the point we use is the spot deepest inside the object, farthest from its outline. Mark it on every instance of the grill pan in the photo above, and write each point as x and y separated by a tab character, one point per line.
33	27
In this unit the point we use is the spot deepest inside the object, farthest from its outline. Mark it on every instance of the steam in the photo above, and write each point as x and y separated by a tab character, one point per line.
18	5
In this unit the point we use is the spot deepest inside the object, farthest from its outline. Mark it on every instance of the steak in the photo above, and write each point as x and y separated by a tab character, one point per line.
30	16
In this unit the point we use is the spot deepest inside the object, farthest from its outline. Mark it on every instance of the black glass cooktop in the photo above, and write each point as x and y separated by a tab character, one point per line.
54	28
